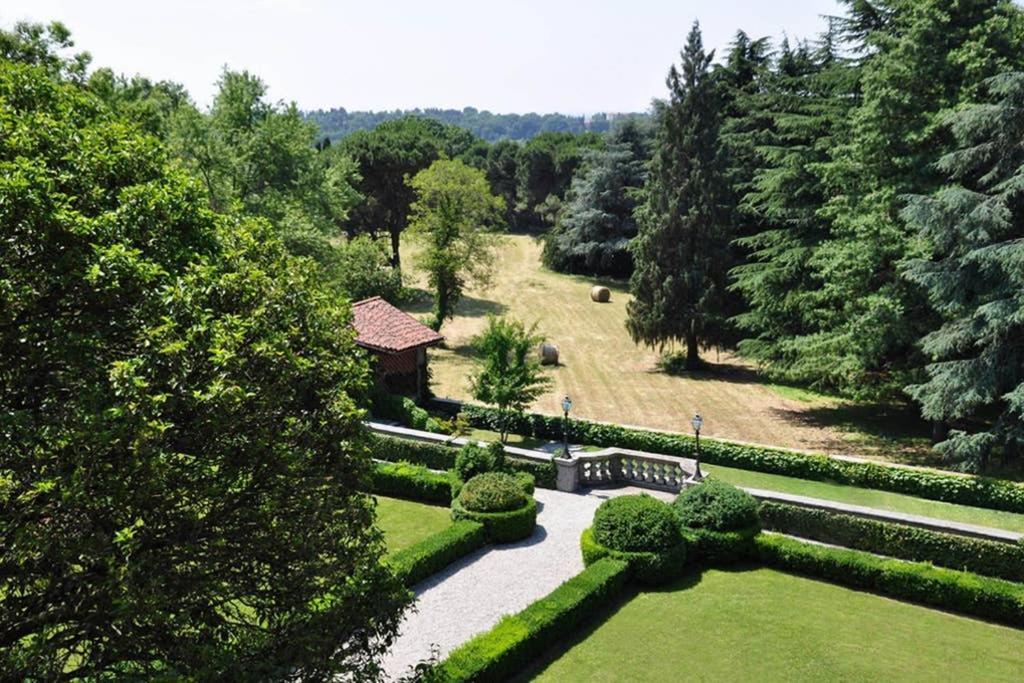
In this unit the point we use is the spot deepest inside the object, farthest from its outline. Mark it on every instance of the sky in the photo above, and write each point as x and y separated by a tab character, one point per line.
514	56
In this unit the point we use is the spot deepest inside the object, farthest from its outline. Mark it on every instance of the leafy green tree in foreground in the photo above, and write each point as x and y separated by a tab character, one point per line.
681	255
180	439
975	280
453	213
509	375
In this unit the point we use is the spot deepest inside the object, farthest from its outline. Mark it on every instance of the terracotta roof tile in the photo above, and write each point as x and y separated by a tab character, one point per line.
382	327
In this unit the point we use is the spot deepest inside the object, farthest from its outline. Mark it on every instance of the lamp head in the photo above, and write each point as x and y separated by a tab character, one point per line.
566	404
697	422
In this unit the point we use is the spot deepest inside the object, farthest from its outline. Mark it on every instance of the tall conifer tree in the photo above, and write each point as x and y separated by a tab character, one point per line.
681	252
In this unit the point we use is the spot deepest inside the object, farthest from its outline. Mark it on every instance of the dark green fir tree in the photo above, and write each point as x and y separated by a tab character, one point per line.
681	252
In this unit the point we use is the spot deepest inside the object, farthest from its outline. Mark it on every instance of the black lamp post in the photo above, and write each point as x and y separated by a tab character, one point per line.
697	422
566	407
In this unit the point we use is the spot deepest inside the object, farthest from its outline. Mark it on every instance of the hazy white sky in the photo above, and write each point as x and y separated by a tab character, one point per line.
513	56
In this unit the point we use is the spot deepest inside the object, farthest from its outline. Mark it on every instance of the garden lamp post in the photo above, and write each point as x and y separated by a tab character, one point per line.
566	407
697	422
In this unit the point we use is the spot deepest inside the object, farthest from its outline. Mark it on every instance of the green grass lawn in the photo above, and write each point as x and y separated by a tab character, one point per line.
405	522
764	625
884	500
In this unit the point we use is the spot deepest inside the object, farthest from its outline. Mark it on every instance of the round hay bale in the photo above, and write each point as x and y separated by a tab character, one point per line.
601	295
548	354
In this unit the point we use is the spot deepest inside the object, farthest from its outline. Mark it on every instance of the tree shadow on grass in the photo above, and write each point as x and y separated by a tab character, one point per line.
421	302
733	373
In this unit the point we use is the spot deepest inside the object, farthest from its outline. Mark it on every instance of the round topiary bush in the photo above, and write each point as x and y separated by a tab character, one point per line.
499	502
492	492
716	506
636	524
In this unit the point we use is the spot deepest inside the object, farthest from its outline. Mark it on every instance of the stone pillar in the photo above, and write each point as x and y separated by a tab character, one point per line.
568	474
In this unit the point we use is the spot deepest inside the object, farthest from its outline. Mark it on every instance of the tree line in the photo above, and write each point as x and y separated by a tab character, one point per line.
338	123
845	211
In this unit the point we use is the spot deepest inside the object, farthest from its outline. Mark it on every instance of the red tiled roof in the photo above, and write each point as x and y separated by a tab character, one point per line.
382	327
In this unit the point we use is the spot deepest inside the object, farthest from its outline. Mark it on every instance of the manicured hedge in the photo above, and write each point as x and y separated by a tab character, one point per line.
991	558
978	491
718	548
947	589
650	568
502	527
518	639
636	523
434	553
404	410
434	456
412	482
715	505
441	457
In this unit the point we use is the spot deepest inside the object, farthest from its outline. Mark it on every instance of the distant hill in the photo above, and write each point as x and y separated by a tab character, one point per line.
337	123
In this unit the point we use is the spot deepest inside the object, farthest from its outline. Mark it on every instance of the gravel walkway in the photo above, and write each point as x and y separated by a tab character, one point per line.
472	595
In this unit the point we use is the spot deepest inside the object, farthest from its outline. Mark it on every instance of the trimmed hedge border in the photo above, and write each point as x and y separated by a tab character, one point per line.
518	639
412	482
978	596
718	548
502	527
649	568
438	457
990	558
415	563
964	490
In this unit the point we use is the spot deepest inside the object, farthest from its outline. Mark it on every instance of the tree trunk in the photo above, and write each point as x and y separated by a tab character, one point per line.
692	351
396	258
940	430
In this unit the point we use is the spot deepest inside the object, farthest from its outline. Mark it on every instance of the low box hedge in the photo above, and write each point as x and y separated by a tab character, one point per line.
649	568
432	455
519	639
963	592
964	490
991	558
718	548
415	563
502	527
412	482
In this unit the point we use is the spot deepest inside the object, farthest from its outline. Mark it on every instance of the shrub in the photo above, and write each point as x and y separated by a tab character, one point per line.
716	506
502	527
718	548
952	488
635	523
492	492
991	558
517	640
963	592
415	563
651	568
434	456
544	473
404	410
413	482
474	459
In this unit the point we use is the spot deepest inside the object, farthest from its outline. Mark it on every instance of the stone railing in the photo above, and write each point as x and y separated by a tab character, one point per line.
623	467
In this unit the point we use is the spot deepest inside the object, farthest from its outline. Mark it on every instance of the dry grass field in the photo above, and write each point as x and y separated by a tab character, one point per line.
611	379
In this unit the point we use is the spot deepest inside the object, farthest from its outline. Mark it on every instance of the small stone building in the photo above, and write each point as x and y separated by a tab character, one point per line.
399	343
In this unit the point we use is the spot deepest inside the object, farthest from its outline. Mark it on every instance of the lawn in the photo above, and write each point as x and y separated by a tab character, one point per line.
612	379
405	522
764	625
874	498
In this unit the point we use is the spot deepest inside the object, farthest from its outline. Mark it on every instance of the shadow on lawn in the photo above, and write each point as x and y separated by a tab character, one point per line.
420	302
733	373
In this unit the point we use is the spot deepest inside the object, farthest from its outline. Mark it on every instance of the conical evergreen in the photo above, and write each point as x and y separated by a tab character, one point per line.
975	280
681	253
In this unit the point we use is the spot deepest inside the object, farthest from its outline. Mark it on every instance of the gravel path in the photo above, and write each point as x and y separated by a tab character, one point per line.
472	595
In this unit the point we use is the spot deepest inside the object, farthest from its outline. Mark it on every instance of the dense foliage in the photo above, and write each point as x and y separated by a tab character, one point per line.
635	523
716	506
410	481
474	459
991	558
182	448
492	492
